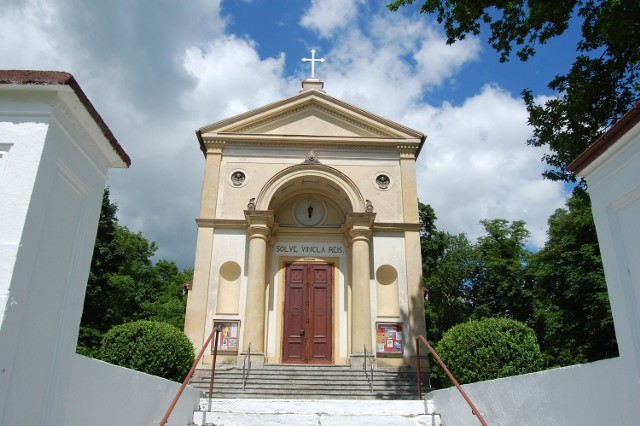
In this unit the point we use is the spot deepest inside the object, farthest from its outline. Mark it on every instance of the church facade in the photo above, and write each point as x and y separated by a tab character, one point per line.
308	248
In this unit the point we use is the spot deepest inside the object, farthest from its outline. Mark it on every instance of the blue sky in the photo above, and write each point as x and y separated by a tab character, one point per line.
158	70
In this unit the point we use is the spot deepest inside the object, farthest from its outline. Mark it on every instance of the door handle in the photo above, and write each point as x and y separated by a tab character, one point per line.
302	332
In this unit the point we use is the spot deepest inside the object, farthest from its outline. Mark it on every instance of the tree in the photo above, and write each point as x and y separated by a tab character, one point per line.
99	294
124	285
572	310
501	285
488	349
149	346
446	269
168	302
448	285
602	83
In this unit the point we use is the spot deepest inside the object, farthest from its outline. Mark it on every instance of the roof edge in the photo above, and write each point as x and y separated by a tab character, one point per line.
607	140
61	78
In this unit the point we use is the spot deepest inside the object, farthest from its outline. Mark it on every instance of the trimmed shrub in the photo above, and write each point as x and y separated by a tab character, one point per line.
149	346
488	349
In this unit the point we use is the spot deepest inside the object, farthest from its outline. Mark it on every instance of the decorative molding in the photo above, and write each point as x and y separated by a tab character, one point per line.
238	178
368	206
383	181
396	227
221	223
313	104
407	150
312	158
252	204
308	143
213	146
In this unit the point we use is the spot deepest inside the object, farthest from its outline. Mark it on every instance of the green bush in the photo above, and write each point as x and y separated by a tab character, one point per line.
488	349
149	346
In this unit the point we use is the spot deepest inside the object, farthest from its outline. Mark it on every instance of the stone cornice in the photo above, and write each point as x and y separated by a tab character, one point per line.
395	227
259	217
341	143
221	223
294	230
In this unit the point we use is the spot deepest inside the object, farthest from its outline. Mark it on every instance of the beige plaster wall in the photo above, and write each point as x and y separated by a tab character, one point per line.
259	167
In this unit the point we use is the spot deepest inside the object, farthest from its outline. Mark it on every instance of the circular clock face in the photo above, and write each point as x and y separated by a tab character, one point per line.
309	212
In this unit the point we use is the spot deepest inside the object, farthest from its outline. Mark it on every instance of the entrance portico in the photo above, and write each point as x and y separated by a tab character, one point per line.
308	236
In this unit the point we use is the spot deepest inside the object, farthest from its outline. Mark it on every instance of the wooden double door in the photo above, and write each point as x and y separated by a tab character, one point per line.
308	313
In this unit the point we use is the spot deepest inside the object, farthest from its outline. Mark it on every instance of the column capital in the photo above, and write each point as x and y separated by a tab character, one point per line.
408	151
357	226
259	223
213	146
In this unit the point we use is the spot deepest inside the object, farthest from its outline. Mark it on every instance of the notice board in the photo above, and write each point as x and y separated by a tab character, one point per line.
389	338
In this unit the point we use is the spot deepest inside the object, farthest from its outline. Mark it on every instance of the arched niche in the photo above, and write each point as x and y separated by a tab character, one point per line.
387	291
228	288
311	179
309	209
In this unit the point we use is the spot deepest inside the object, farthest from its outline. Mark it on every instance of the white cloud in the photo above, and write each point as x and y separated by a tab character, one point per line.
475	165
24	36
390	65
231	78
155	75
328	16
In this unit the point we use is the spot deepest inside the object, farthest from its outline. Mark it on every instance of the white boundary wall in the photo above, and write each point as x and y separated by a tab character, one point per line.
587	394
102	394
605	392
54	158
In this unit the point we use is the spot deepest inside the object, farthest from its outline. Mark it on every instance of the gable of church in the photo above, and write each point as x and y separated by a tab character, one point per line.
311	114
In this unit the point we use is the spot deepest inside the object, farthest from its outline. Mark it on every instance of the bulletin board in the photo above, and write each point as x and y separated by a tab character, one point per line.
389	338
229	335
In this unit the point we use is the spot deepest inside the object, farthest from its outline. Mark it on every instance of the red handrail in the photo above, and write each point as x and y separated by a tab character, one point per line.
216	332
474	410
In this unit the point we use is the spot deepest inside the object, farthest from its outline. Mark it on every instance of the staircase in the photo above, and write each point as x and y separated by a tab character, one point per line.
276	381
306	412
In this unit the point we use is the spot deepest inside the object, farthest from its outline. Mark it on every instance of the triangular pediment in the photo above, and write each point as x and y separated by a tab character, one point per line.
311	113
312	119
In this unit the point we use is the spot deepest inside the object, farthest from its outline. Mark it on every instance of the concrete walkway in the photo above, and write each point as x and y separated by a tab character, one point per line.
260	412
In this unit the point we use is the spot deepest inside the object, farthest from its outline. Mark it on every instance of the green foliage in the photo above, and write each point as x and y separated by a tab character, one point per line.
602	83
501	286
149	346
448	285
488	349
466	280
559	291
446	266
124	285
572	310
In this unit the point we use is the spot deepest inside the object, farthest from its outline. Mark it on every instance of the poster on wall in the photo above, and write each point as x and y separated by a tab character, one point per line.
389	337
229	335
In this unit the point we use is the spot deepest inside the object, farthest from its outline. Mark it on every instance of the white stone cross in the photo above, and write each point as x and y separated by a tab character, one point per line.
313	61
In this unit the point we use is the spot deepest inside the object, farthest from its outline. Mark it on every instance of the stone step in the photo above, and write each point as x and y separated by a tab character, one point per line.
254	412
307	382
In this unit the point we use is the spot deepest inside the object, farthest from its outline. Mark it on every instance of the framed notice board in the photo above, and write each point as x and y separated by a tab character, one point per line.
229	335
389	338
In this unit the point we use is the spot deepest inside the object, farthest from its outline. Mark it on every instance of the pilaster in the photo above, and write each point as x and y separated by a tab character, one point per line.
409	185
258	229
211	184
358	230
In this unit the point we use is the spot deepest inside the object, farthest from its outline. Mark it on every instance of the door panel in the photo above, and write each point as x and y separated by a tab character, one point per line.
307	314
294	314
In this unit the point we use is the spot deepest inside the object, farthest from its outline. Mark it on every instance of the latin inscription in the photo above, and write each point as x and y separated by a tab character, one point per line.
309	249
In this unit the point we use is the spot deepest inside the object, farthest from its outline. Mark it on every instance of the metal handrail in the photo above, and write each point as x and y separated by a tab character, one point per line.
364	365
474	410
246	361
215	332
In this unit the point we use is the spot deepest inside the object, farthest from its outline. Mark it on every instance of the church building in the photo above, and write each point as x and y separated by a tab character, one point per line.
308	248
